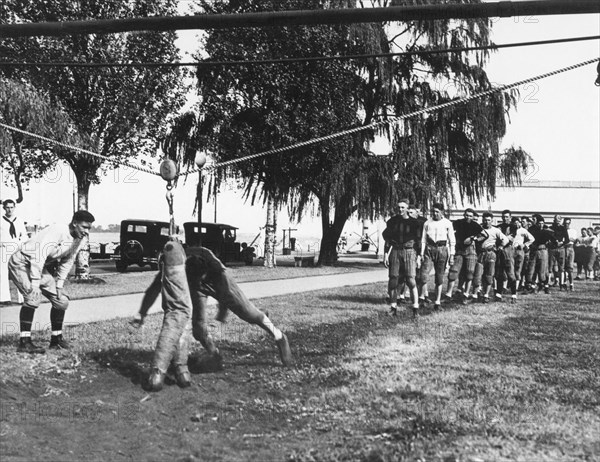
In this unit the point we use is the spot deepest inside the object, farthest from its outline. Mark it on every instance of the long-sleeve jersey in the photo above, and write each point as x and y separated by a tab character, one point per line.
572	236
494	237
400	231
542	236
464	229
52	244
522	237
206	274
439	230
560	234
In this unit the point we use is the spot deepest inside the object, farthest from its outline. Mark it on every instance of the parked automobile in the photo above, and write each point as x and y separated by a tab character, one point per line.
140	243
218	237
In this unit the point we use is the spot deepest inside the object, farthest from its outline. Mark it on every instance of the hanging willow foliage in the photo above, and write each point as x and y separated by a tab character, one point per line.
248	109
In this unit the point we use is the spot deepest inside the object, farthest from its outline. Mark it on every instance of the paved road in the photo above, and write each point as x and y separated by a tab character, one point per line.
98	309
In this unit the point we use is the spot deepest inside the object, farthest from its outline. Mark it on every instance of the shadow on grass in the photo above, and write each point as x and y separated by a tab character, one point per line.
133	364
556	345
354	299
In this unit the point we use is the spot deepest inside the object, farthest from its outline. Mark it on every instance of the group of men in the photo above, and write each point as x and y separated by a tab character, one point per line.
39	265
486	261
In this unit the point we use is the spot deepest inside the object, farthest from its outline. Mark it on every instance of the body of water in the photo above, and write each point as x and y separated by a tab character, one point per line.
303	242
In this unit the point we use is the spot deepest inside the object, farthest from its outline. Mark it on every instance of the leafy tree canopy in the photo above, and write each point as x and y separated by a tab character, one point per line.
117	111
22	157
253	108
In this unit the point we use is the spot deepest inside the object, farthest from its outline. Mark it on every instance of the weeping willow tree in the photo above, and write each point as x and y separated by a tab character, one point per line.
255	108
24	158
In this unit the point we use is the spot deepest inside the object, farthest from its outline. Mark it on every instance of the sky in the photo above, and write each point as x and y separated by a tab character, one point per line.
557	122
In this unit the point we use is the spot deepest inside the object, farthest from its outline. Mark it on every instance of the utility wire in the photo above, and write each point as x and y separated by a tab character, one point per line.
201	64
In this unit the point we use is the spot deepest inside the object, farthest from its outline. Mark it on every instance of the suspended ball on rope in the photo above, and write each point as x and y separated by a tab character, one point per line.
168	170
200	159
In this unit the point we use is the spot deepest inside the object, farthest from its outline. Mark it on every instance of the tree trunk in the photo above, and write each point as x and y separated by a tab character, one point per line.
331	233
270	235
82	261
17	170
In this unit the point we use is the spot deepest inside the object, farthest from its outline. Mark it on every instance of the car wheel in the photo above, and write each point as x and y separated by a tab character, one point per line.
133	251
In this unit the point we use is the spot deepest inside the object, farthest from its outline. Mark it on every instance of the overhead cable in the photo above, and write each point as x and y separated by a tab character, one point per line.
304	17
201	64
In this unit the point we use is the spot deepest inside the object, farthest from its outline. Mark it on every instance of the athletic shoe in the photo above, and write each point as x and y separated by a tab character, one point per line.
513	300
183	377
446	298
57	342
27	346
156	380
486	299
285	353
401	300
571	288
546	290
436	307
465	300
393	311
498	297
415	312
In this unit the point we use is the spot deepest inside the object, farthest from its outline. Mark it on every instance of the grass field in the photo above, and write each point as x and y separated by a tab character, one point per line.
494	382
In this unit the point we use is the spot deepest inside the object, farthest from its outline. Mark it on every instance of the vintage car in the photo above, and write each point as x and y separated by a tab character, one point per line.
218	237
140	243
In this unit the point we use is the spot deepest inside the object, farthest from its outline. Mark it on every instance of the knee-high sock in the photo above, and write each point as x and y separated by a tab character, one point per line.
26	319
57	318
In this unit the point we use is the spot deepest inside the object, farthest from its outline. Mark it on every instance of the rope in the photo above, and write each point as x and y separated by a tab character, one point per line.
79	150
393	120
201	64
390	121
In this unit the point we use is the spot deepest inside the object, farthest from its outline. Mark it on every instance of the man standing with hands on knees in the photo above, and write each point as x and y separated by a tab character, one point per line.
402	237
437	246
32	269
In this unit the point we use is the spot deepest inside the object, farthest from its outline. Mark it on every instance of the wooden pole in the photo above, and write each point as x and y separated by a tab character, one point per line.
305	17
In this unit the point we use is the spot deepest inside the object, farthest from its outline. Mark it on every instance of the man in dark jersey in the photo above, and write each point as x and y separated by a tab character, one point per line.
538	254
557	253
402	237
465	230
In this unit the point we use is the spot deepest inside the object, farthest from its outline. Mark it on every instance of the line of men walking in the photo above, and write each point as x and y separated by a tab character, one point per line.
486	261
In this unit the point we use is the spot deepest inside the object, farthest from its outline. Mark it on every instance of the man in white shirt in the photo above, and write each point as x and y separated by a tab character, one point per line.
486	256
40	267
521	241
570	252
437	247
12	234
596	262
505	259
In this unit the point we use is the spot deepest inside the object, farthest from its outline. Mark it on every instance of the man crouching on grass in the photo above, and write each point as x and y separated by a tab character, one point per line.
206	276
33	268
